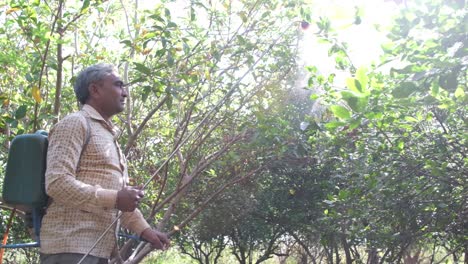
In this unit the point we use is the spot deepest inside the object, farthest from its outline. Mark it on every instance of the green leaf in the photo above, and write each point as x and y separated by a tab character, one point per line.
186	48
401	145
343	194
266	14
459	93
355	123
388	47
192	14
171	25
241	39
435	89
449	81
243	16
126	42
334	124
157	17
167	12
340	111
142	68
14	124
356	101
354	85
170	59
150	35
411	119
145	93
29	77
361	75
404	90
406	70
85	6
169	102
21	112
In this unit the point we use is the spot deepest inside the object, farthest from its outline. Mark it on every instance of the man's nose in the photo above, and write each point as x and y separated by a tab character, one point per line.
124	92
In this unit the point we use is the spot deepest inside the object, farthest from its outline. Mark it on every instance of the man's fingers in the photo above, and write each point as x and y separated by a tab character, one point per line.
138	192
164	240
157	239
156	243
128	199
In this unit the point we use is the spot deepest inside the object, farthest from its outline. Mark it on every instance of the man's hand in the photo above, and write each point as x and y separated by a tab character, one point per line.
157	239
128	198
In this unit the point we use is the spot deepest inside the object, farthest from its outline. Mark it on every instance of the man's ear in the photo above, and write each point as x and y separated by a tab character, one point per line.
93	90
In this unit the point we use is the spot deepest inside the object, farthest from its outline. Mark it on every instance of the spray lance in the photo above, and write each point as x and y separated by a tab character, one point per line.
182	143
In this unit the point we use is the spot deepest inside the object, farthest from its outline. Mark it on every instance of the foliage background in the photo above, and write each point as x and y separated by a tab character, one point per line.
239	168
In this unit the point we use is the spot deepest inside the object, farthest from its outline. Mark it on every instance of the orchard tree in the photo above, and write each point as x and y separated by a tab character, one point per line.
193	75
400	142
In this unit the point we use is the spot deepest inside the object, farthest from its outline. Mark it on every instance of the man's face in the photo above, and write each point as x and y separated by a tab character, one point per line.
112	94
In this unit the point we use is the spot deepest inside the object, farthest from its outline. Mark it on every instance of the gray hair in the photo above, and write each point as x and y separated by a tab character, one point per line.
91	74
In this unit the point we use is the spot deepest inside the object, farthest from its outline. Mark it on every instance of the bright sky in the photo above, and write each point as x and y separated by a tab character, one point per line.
364	39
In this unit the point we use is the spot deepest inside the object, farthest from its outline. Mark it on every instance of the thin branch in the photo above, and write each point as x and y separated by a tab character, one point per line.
44	58
142	125
209	199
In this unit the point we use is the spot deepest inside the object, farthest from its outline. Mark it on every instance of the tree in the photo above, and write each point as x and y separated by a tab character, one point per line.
400	142
193	79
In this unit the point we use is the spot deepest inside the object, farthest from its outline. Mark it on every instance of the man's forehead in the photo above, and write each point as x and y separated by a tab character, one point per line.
113	76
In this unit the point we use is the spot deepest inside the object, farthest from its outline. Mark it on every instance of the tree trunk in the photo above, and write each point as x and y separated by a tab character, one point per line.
346	248
466	253
372	257
337	254
58	82
304	258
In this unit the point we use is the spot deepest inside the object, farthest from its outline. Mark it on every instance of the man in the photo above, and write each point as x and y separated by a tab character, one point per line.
86	177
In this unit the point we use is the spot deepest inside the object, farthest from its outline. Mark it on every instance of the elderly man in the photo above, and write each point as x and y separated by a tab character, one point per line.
86	177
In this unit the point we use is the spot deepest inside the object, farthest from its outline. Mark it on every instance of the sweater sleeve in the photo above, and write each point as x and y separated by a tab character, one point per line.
135	221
